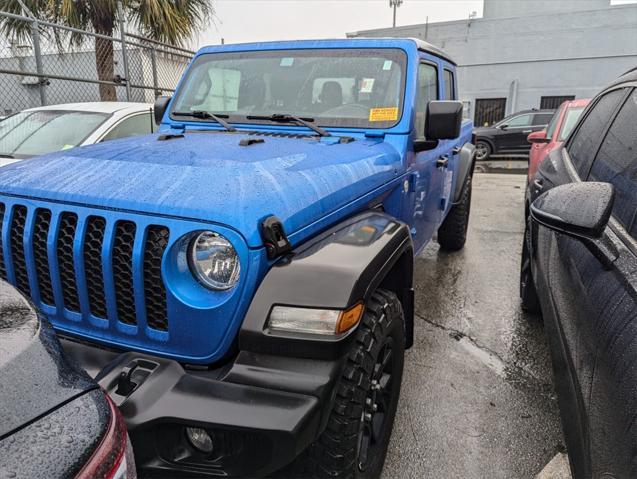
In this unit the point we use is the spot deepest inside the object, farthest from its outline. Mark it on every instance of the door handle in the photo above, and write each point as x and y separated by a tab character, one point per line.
538	184
527	131
442	162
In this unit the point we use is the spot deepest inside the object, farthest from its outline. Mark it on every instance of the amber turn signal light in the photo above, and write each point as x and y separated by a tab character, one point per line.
350	318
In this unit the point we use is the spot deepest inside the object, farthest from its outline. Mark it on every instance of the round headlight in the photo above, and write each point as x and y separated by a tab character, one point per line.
214	261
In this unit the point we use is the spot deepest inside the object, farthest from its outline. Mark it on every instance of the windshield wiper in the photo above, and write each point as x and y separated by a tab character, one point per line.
285	118
206	115
4	155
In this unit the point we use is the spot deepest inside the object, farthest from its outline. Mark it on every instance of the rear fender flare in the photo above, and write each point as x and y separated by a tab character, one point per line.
466	164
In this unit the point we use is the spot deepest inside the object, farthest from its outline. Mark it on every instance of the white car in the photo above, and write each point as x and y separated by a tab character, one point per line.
42	130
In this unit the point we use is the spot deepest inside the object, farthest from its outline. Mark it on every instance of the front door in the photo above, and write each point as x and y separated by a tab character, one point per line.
515	131
427	177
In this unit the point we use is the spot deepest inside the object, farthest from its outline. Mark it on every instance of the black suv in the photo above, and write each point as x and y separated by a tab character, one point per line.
508	136
579	266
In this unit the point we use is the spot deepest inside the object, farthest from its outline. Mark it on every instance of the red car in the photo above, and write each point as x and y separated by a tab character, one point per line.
545	141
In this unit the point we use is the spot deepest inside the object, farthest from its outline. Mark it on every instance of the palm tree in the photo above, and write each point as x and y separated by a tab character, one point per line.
169	21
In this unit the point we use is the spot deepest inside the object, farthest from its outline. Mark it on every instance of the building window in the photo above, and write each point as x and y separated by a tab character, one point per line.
489	111
554	102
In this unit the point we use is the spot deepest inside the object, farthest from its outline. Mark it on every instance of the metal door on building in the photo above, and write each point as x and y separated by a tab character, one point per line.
553	102
489	111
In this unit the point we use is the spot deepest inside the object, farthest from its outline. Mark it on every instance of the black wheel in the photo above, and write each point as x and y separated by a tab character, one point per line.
483	150
452	233
528	294
355	440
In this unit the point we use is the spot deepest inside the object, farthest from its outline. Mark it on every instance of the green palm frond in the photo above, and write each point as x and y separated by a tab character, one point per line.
169	21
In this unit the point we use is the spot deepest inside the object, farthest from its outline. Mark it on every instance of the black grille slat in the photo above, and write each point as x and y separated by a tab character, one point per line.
93	242
129	262
66	234
123	271
41	255
18	223
3	271
154	289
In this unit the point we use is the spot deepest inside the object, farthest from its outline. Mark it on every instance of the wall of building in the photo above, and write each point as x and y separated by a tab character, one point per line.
20	92
520	8
525	57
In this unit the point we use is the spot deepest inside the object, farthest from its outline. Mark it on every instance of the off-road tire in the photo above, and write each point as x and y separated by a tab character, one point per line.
528	294
452	233
335	454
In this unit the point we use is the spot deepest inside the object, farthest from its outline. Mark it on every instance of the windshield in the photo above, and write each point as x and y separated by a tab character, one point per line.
35	133
572	115
360	88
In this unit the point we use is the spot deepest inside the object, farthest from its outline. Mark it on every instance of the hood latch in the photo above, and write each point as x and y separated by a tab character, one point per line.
274	237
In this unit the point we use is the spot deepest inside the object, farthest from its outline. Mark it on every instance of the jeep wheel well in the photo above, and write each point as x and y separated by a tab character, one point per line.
399	281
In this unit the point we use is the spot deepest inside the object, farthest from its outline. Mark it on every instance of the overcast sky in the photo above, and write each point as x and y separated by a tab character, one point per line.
256	20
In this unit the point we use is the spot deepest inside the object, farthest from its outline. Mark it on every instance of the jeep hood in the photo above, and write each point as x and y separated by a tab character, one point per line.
208	176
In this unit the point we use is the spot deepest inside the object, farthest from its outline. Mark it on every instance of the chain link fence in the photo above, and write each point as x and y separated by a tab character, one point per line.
54	64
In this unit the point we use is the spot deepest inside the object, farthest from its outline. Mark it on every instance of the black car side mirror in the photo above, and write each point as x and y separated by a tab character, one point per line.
581	210
161	103
503	127
443	120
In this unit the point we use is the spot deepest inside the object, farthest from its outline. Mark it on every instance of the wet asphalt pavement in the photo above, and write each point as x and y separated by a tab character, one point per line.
477	399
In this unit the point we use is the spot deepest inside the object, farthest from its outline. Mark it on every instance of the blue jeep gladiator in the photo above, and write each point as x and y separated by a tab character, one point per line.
240	283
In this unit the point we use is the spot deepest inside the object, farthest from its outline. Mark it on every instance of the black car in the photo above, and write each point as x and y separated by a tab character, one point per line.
579	267
55	422
508	136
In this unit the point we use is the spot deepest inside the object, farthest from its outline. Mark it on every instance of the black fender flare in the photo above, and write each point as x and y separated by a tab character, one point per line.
466	164
337	269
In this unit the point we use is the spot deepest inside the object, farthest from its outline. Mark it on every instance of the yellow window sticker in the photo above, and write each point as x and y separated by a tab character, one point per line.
68	147
383	114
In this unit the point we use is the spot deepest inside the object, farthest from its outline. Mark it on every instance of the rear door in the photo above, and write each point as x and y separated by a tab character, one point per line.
592	321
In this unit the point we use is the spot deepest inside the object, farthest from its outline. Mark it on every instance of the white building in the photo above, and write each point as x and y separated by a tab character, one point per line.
532	53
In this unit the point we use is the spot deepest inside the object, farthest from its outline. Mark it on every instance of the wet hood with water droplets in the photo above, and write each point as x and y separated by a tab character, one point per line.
209	176
36	377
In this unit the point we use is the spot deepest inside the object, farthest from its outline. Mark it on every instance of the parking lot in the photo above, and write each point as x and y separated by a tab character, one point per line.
477	397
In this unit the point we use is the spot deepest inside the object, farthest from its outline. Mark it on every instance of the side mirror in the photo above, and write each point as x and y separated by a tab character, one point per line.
161	103
503	127
443	120
538	137
581	210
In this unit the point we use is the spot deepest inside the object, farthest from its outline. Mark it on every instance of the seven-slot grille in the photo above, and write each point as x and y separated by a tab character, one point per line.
33	249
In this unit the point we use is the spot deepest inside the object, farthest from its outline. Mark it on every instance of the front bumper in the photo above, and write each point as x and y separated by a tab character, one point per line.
261	410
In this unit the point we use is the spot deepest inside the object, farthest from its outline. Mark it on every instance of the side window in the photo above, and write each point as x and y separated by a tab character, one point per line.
542	119
616	162
449	85
522	120
137	125
583	144
550	129
427	91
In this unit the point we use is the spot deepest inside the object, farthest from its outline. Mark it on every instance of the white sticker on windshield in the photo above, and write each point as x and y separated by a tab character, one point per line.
367	85
387	65
287	62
